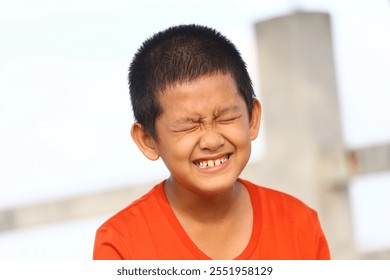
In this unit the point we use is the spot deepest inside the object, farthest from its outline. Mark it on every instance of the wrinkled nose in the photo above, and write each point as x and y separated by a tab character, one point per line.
211	140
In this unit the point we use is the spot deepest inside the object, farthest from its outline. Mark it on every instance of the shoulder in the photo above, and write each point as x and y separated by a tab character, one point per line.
275	202
131	233
289	229
146	205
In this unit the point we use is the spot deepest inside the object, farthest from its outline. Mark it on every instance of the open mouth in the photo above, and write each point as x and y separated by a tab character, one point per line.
207	163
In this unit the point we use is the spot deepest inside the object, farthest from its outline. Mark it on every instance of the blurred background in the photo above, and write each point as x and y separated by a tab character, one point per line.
67	161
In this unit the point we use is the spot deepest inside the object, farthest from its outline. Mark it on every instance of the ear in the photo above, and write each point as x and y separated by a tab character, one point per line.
254	124
145	142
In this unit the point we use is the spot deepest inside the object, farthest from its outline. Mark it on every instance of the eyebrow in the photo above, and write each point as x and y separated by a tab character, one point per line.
195	119
230	109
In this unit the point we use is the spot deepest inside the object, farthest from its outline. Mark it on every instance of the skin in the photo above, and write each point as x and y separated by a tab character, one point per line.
204	139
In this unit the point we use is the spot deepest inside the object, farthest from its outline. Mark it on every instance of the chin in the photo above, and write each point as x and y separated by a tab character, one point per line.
215	186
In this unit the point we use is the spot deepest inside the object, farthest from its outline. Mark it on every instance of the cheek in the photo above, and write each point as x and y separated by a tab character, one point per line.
238	134
179	149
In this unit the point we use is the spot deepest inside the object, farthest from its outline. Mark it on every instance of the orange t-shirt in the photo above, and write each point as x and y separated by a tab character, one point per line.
283	228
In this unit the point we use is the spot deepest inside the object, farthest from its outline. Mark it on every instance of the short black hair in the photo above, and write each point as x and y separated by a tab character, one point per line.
180	54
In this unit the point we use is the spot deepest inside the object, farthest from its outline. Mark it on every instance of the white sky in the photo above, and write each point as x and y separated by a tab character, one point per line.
65	111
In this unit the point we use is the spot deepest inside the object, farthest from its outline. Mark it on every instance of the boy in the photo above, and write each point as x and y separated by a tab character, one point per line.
195	107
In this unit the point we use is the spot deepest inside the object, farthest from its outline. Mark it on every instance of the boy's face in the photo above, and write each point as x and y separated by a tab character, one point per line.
204	134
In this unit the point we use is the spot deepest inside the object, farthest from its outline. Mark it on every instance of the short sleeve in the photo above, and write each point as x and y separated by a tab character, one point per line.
108	245
322	245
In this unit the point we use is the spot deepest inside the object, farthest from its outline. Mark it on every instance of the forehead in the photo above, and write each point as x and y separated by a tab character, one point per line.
201	97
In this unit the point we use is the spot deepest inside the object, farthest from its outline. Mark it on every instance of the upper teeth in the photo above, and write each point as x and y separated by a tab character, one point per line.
211	163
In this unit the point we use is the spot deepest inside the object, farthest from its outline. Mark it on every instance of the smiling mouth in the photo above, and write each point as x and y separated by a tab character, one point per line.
208	163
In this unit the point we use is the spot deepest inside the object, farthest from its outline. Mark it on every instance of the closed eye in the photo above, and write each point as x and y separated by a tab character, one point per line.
187	128
228	120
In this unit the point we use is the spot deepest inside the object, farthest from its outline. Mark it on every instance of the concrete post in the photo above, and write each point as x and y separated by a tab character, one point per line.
305	151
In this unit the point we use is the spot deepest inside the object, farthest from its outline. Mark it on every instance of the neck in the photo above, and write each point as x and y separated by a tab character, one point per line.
204	208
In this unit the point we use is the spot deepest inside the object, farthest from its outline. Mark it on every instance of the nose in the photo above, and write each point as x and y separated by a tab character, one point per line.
211	140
